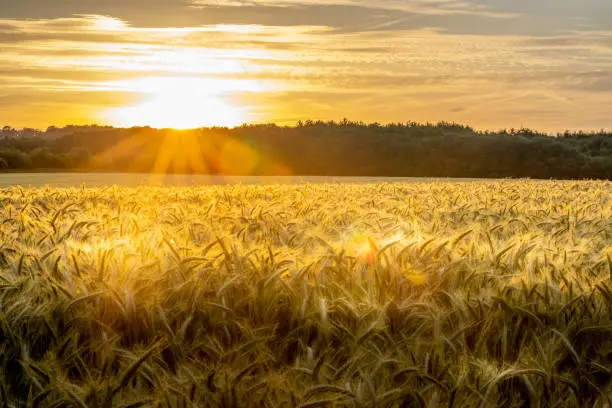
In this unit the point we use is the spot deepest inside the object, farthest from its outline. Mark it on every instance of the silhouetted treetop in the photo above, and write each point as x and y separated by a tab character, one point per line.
344	148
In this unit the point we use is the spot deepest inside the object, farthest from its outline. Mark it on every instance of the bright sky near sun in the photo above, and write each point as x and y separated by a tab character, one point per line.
543	64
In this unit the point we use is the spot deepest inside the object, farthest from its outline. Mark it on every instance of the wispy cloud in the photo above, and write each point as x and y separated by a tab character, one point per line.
383	61
413	6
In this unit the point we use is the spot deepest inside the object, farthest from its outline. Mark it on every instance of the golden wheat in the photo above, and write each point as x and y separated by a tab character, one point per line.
479	294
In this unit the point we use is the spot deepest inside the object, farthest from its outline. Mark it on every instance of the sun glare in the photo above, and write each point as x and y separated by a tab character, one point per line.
183	103
104	23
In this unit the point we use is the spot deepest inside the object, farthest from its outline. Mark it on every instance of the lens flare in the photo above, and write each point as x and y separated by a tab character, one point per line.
363	247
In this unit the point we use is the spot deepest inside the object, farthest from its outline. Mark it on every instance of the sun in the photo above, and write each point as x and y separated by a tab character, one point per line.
180	103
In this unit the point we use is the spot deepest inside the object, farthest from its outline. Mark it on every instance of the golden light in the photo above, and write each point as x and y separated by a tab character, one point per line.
236	158
183	103
104	23
363	247
187	152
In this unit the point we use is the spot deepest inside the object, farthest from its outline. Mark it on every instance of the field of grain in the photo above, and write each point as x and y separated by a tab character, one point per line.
480	294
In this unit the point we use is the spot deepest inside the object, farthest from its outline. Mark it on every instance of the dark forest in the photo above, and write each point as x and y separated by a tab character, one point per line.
314	148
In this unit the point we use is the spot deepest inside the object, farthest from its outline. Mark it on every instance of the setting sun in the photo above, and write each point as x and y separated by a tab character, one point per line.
182	103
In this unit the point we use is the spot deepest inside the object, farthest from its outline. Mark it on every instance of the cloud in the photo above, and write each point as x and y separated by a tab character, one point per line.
343	15
395	61
414	6
483	17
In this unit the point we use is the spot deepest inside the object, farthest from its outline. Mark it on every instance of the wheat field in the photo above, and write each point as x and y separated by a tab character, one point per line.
479	294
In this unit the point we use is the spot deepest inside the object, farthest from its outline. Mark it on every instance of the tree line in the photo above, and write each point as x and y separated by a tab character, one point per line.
328	148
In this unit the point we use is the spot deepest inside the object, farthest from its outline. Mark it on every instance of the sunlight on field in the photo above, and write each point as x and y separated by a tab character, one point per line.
479	293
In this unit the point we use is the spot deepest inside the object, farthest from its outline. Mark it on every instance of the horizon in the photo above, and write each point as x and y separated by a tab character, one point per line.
305	123
185	64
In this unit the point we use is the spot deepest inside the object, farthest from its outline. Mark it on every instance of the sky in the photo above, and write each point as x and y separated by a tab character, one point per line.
492	64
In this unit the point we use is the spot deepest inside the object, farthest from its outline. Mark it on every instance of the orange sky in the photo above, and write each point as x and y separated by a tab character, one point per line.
173	63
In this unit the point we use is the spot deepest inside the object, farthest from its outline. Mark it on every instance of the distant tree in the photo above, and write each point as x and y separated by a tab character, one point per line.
348	148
